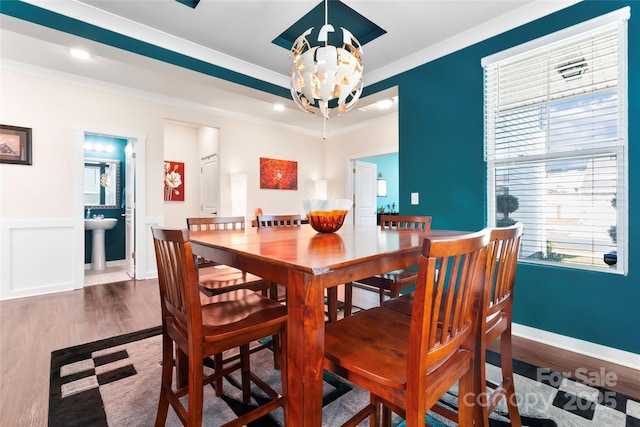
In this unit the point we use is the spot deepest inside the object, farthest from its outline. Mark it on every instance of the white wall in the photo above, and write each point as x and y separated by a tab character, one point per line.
41	212
35	199
181	145
376	139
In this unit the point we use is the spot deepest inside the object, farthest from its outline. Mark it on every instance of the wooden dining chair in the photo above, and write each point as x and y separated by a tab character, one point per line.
393	282
215	278
405	362
279	220
496	319
272	221
197	331
214	223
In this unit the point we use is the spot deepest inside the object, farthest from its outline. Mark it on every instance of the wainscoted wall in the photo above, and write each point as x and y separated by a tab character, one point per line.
43	258
148	264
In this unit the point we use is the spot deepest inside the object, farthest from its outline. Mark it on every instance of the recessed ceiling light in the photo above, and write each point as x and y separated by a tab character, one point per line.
384	104
278	107
79	53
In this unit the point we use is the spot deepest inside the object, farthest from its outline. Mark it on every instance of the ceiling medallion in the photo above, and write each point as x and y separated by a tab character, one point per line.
326	80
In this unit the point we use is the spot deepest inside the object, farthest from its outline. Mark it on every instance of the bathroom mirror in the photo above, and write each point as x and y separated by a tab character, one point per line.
101	183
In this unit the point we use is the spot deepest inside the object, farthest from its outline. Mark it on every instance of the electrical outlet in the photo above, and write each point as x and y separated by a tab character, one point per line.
415	198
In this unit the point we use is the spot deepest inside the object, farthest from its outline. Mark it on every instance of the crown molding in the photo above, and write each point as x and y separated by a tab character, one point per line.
75	80
99	18
523	15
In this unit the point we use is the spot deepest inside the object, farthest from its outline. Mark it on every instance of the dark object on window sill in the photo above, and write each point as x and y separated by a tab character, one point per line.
505	222
611	258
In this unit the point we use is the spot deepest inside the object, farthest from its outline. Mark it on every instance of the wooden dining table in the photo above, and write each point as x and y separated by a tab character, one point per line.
307	262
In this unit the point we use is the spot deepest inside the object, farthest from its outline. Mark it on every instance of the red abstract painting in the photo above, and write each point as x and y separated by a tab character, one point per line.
173	181
278	174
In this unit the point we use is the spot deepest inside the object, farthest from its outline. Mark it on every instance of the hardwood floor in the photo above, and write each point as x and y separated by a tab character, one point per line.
31	328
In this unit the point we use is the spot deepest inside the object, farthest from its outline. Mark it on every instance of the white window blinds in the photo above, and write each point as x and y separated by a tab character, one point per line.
555	144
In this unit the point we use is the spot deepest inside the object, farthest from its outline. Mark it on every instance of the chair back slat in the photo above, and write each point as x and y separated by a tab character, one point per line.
279	221
216	223
405	222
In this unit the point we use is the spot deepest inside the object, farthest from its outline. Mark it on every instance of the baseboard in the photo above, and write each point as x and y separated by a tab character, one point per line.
116	263
609	354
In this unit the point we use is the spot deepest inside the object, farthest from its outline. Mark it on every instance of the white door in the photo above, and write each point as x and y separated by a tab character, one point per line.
365	193
209	186
130	208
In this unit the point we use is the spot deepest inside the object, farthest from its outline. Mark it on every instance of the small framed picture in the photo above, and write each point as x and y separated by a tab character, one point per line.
382	188
15	145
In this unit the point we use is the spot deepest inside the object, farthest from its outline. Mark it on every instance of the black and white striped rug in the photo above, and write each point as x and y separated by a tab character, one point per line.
115	382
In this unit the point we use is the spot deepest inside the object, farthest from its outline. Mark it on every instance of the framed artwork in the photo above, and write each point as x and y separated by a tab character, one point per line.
15	145
173	181
278	174
382	188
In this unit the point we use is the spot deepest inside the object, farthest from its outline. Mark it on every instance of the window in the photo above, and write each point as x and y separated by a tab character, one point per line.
556	144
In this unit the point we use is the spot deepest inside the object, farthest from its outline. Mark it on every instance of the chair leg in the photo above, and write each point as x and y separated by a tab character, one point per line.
165	386
217	365
385	418
466	404
195	392
182	368
506	361
332	304
276	343
348	299
273	291
245	373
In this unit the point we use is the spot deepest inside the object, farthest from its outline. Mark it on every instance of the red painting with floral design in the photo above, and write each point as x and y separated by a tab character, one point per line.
173	181
278	174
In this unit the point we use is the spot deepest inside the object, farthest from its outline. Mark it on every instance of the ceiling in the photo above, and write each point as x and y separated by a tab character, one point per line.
220	55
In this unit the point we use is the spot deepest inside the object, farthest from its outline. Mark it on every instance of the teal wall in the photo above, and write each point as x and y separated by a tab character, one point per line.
441	157
388	166
114	239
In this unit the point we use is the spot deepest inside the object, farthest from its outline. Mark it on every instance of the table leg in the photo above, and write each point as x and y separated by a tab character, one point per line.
305	338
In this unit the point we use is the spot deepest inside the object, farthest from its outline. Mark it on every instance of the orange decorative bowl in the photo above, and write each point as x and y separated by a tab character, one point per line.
326	216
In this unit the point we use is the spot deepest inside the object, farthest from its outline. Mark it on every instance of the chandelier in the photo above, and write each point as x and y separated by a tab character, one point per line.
326	80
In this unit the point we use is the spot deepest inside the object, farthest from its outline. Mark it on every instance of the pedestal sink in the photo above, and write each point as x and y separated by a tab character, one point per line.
98	226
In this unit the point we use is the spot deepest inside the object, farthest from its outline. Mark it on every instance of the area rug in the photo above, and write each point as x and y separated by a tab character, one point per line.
115	382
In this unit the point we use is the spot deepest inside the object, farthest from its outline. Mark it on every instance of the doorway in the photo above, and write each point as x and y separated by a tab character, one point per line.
128	214
209	186
385	166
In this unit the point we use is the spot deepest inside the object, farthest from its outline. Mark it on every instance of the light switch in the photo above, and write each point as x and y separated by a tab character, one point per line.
415	198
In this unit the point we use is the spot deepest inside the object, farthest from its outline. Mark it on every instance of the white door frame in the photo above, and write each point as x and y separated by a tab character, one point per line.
350	165
206	187
139	140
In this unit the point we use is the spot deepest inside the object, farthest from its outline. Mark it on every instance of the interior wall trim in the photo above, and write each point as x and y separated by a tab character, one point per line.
151	270
71	79
37	257
610	354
